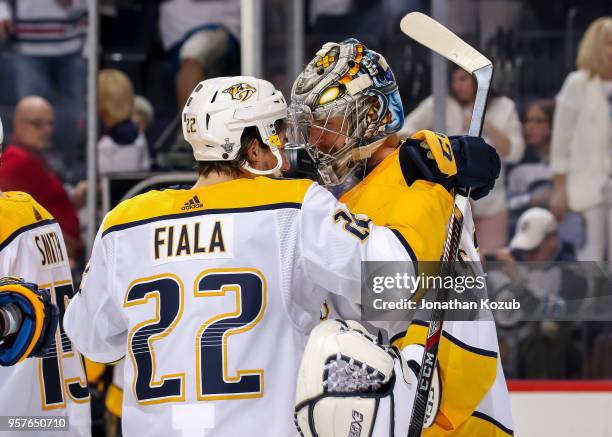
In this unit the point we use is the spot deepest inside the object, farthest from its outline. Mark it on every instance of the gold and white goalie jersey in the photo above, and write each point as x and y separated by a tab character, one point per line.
210	294
32	247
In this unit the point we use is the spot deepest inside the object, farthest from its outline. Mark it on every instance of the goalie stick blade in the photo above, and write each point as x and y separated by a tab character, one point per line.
438	38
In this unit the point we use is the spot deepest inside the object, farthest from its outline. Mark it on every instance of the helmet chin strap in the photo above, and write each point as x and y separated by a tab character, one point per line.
276	171
365	152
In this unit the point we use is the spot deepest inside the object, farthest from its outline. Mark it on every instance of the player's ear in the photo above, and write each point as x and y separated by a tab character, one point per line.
254	151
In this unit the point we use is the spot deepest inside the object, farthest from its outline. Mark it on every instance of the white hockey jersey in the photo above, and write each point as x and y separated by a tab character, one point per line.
210	292
32	247
475	399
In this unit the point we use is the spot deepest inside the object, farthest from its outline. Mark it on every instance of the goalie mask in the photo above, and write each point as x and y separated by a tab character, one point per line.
350	385
218	111
343	106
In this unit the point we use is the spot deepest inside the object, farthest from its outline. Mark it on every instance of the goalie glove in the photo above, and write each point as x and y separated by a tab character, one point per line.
33	335
350	385
460	163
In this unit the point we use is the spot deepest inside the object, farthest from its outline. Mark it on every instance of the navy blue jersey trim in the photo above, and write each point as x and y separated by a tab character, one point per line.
476	350
29	227
397	337
273	206
411	254
492	421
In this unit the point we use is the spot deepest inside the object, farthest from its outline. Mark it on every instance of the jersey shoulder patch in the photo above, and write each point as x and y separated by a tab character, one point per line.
238	195
20	212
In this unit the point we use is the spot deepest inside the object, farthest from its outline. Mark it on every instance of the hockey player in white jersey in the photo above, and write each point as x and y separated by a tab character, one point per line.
211	290
32	247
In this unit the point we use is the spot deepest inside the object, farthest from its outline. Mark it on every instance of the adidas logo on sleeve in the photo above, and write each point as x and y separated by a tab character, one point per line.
193	203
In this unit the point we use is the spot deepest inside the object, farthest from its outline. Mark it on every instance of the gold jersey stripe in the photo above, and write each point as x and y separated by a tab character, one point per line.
18	213
234	194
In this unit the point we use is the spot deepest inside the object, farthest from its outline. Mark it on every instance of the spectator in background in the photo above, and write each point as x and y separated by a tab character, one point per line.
537	238
582	141
202	39
143	113
538	130
48	36
547	351
543	286
25	167
530	182
502	129
122	146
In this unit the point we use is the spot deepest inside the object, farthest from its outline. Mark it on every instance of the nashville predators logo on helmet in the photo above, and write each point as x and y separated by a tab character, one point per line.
240	91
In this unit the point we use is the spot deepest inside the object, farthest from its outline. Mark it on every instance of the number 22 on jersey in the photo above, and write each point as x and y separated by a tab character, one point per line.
213	380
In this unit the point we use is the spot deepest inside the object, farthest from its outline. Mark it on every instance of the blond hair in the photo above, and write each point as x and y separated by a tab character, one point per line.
591	51
116	95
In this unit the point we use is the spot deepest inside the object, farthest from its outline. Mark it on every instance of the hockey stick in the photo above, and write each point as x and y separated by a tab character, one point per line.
438	38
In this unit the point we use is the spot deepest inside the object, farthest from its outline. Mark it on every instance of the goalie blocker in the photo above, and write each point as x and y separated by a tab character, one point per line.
28	321
349	384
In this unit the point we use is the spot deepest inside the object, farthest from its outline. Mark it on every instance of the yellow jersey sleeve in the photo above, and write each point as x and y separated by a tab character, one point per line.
419	213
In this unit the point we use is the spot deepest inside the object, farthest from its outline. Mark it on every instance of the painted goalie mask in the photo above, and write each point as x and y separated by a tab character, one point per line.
343	106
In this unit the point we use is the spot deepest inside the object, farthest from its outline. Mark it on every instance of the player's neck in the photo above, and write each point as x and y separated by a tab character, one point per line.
212	179
385	149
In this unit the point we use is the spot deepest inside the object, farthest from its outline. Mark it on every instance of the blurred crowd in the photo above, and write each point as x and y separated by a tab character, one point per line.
550	122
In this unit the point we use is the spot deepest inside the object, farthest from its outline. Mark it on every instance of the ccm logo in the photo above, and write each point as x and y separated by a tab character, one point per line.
428	366
355	430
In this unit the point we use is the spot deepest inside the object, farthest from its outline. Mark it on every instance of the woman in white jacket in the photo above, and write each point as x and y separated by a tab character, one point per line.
502	129
582	141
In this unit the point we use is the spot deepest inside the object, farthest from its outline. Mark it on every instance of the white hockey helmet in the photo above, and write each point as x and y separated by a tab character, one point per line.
218	111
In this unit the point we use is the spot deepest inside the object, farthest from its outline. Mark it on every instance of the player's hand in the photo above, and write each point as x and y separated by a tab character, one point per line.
428	156
6	28
39	319
460	163
478	165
